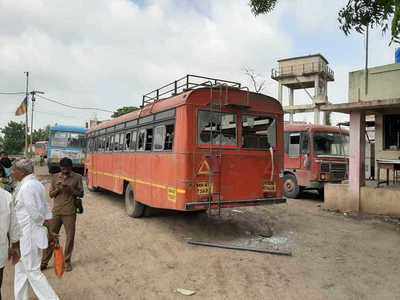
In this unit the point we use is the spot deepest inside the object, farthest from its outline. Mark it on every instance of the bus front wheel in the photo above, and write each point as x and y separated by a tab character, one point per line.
133	208
290	186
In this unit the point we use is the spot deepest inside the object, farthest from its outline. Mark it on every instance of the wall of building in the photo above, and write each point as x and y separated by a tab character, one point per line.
301	61
376	201
383	83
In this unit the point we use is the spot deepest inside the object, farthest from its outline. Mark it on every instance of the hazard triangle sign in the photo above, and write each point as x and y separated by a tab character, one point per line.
204	168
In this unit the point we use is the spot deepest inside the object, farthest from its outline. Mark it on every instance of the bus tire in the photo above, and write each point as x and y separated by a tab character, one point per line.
133	208
290	186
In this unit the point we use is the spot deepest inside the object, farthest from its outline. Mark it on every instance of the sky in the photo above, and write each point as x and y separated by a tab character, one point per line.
108	53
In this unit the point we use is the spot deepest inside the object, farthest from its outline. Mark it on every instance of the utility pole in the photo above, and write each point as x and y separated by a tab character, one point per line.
366	60
33	99
26	114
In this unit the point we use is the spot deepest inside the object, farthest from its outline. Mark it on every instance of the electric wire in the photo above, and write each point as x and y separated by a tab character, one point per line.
72	106
12	93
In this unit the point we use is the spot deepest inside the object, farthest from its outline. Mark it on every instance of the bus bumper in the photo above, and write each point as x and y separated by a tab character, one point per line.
235	203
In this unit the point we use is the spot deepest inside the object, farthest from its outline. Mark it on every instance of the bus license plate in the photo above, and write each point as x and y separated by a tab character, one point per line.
269	187
203	188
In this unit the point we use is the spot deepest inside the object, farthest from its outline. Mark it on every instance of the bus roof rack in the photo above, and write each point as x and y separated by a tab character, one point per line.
188	82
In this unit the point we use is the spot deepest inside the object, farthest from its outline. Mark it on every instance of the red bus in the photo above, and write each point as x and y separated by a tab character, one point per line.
208	144
314	155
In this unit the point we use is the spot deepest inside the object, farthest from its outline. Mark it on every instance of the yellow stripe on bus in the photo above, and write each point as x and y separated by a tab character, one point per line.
179	191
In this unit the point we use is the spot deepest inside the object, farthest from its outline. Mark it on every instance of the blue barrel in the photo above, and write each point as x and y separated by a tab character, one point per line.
397	56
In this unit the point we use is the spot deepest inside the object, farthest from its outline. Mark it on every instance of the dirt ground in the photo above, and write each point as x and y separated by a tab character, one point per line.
334	256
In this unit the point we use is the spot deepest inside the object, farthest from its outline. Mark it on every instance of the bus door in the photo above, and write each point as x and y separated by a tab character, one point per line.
293	142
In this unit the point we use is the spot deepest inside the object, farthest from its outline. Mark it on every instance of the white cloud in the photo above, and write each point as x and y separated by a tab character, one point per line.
107	53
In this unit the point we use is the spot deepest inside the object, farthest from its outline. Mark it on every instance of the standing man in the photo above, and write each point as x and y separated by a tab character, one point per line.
8	227
32	214
65	187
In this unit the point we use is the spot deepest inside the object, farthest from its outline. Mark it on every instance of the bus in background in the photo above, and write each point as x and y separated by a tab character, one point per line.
41	149
314	155
66	141
208	145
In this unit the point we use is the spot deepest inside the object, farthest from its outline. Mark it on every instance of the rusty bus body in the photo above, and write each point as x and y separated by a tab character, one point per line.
314	155
209	146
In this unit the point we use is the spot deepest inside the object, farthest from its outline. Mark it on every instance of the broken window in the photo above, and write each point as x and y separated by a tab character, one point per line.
116	142
159	137
259	132
163	137
149	139
217	128
127	140
169	136
133	140
141	140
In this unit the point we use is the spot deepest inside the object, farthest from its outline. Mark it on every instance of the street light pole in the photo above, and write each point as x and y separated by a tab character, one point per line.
26	113
33	99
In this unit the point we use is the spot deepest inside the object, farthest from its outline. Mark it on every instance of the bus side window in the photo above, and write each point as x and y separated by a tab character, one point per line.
116	142
133	140
149	139
159	138
112	143
169	137
294	144
304	143
107	147
141	140
121	142
127	140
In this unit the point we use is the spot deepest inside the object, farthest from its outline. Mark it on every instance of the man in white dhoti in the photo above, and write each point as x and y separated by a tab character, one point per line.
9	232
32	212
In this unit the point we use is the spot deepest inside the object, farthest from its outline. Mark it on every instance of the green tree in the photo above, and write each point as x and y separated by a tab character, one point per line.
41	134
123	110
356	15
13	137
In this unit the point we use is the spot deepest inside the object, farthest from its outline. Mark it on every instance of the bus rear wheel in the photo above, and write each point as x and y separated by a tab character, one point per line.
133	208
290	186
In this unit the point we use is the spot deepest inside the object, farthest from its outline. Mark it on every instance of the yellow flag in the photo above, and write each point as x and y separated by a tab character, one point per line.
22	108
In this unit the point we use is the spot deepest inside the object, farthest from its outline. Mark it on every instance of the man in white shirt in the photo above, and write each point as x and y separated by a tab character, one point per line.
32	212
9	232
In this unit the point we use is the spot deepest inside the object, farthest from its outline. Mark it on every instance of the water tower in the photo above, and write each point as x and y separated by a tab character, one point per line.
304	72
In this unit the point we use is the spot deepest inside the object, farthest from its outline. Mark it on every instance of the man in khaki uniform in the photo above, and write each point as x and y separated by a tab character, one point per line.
65	187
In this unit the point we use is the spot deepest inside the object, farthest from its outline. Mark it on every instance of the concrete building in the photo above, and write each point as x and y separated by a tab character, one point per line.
378	96
304	72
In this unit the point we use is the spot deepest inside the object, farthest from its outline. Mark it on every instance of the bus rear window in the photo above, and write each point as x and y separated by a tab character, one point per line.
259	132
217	128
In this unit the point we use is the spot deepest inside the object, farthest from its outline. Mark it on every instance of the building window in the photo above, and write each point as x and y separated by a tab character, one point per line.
391	132
259	132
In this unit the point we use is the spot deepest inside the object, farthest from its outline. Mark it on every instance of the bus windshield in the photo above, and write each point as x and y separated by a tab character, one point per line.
328	143
67	139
